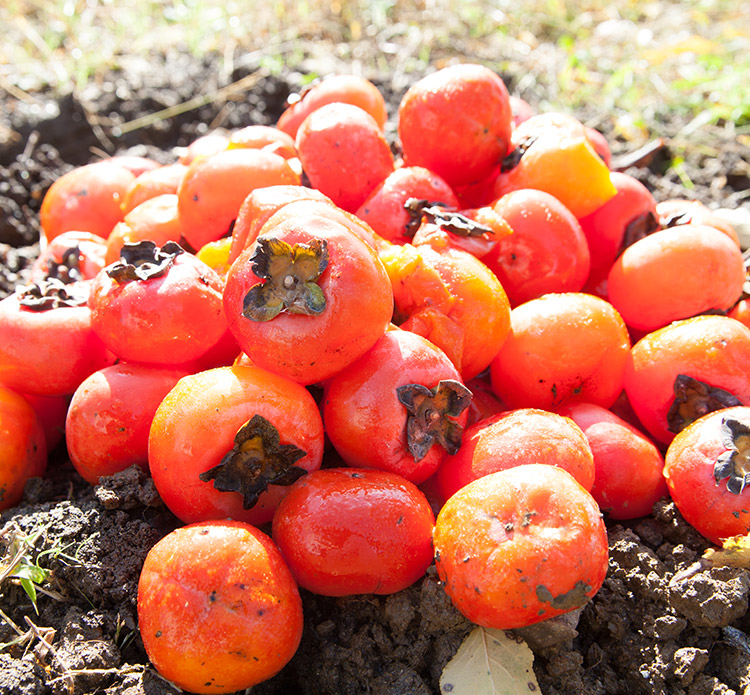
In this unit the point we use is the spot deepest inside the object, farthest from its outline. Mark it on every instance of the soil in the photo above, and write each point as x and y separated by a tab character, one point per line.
642	633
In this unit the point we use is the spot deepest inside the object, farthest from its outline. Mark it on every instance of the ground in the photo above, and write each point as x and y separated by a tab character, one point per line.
640	634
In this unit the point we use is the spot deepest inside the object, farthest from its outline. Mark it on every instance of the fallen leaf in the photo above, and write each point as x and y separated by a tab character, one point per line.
490	662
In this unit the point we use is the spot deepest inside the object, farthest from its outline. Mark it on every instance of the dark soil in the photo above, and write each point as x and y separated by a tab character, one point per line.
640	634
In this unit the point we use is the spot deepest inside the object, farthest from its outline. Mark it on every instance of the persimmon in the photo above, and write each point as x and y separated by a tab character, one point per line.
213	188
456	122
263	137
294	298
22	442
203	146
401	407
513	438
519	546
552	152
86	199
227	442
51	411
675	212
691	367
215	254
452	299
344	153
156	219
218	609
348	89
674	274
134	163
110	413
562	347
706	470
70	257
154	182
158	305
628	466
600	144
547	251
521	109
384	209
324	529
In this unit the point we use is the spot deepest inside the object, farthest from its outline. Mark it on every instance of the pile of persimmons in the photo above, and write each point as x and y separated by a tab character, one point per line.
340	364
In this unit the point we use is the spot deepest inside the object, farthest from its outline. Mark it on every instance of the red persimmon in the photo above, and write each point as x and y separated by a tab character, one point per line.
227	441
263	137
69	257
354	531
162	181
218	609
520	546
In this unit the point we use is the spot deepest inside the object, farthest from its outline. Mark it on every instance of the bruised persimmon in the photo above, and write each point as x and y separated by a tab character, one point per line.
456	122
213	188
218	609
343	153
562	347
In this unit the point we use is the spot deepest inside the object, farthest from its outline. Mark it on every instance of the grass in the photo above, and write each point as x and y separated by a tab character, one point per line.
639	60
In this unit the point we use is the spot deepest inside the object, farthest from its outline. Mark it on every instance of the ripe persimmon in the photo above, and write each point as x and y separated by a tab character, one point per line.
70	257
263	137
162	181
674	212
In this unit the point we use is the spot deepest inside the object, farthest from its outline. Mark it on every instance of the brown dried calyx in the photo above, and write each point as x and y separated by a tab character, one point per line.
694	399
734	464
513	158
52	294
431	413
256	460
289	273
69	268
144	260
638	228
443	216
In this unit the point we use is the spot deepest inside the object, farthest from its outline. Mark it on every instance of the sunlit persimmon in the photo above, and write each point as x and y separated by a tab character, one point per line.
263	137
164	180
675	212
204	146
69	257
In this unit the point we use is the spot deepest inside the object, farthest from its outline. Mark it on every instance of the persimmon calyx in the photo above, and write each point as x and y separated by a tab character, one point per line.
734	464
289	276
52	293
440	214
144	260
513	158
431	413
256	460
69	268
638	228
693	399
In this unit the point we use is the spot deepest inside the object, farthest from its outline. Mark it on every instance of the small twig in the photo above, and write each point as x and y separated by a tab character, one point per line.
641	157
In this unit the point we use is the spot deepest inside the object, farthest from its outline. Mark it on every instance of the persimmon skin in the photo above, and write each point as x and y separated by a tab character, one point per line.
51	411
309	348
363	417
165	180
263	137
561	347
213	188
547	251
707	505
674	274
712	349
85	199
109	417
195	425
90	254
344	153
675	212
22	442
324	529
456	122
218	609
628	466
514	438
519	546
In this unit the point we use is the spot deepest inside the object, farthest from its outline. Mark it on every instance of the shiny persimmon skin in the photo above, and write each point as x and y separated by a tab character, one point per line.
48	353
195	425
363	417
156	219
86	199
451	298
204	146
344	153
741	312
22	442
514	438
162	181
110	413
712	349
218	609
324	529
547	251
561	347
707	505
384	208
90	255
349	89
456	122
674	274
519	546
169	319
311	348
51	411
213	188
263	137
628	466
